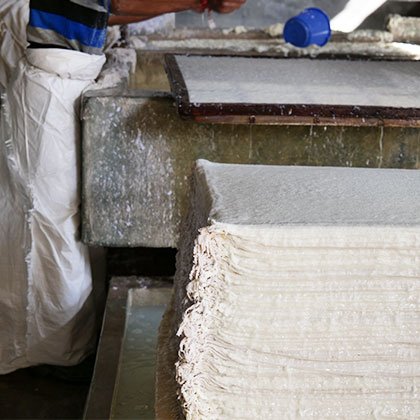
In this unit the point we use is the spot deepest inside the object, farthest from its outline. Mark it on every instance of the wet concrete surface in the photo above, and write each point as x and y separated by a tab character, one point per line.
26	394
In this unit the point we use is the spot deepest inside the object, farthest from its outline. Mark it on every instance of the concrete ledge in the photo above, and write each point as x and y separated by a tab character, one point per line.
138	155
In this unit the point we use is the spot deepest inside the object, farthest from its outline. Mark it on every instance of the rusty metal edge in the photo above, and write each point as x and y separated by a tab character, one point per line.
307	121
178	86
284	114
99	401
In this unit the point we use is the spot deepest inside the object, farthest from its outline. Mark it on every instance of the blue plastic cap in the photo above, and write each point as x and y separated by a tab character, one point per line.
312	26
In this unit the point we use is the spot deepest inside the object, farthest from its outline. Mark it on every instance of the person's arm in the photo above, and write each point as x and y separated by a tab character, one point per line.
151	8
225	6
147	8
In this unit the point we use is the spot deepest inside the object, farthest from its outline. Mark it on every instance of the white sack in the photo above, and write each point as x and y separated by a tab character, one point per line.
14	16
46	308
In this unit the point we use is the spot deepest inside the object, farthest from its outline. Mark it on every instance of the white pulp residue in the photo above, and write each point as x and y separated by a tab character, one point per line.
121	63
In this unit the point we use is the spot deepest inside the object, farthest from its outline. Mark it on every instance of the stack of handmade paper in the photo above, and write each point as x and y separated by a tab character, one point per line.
297	295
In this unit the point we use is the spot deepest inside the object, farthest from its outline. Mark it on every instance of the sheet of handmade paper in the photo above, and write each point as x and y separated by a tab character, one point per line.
241	80
311	196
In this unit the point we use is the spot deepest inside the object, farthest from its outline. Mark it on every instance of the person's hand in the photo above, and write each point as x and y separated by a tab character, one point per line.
225	6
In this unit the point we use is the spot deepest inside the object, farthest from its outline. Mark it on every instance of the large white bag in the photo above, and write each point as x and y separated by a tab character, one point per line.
46	306
14	16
